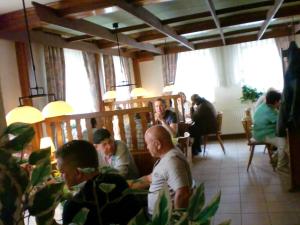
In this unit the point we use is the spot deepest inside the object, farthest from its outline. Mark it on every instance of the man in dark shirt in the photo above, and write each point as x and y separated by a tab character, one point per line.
204	119
78	164
165	117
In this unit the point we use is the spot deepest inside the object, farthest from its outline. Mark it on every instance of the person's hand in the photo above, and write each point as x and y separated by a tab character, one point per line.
158	117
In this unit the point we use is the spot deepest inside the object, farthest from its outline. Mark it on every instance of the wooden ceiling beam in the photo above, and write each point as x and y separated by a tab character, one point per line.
79	38
235	9
270	15
150	19
56	41
212	10
224	21
101	6
49	15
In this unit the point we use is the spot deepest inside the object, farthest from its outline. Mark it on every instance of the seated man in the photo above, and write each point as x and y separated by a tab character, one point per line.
264	128
204	119
78	163
165	117
114	153
171	169
186	107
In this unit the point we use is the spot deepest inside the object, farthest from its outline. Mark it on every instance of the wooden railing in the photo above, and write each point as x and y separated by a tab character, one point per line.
66	128
146	102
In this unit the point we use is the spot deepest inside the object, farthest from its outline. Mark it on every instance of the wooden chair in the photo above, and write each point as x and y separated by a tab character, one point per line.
185	145
247	125
218	133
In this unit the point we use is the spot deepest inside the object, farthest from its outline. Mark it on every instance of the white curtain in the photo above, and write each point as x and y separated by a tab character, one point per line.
196	74
77	83
123	76
257	64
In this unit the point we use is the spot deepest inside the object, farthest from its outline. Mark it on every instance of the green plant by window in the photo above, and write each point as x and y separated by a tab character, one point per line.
249	94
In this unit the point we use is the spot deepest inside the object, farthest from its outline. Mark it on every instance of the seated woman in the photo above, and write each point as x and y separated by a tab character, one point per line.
114	153
264	129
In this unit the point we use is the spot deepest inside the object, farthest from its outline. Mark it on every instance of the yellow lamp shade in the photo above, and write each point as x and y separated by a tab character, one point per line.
24	114
138	92
57	108
110	95
168	88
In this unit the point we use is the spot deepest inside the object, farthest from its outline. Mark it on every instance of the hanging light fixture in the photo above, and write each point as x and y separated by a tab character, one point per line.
138	92
29	114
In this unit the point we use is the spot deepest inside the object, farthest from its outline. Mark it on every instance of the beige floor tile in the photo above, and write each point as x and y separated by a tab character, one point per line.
254	207
235	218
284	219
234	207
255	219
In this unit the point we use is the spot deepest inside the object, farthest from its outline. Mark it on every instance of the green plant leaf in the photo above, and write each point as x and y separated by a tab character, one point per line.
40	156
196	203
10	166
16	129
139	219
46	219
183	220
226	222
80	217
40	173
107	188
20	141
210	210
163	208
46	199
8	197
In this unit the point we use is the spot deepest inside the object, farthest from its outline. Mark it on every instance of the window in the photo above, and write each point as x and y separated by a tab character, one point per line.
123	93
196	74
77	85
258	65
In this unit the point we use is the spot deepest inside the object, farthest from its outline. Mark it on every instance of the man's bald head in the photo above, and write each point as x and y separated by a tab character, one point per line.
158	140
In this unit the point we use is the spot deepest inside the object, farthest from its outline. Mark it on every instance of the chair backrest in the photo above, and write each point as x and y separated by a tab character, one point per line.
183	142
182	128
219	121
247	125
248	115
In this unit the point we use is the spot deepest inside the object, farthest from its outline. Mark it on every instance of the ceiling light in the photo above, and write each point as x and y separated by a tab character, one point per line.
138	92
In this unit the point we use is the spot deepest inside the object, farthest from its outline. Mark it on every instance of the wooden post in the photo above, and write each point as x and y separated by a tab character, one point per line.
23	68
137	72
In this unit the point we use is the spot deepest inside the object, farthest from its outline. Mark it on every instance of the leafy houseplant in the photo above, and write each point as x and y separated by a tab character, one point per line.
195	214
249	94
24	194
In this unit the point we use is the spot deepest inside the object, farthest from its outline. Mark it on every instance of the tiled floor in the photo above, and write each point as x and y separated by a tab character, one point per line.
257	197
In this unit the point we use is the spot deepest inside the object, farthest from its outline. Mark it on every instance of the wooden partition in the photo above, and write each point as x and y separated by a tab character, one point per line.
66	128
146	102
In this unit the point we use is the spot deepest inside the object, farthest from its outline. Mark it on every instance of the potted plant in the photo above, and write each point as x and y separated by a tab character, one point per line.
196	213
249	94
24	193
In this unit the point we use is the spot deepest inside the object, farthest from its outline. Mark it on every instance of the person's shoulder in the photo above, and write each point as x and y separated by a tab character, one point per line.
111	178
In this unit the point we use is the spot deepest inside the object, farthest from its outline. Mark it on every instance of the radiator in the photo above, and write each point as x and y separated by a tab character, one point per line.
232	118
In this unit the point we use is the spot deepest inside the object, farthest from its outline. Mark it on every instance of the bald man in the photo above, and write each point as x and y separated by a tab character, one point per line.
172	169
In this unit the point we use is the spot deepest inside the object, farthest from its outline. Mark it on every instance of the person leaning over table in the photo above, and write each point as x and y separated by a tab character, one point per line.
165	117
171	169
78	163
114	153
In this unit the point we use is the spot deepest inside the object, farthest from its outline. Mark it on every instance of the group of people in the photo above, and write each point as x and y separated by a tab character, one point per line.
79	162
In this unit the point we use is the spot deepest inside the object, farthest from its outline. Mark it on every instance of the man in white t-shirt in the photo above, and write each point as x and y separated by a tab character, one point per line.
172	169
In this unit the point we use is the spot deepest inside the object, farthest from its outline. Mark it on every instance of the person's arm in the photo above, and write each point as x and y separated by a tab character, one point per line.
141	183
122	160
182	196
172	128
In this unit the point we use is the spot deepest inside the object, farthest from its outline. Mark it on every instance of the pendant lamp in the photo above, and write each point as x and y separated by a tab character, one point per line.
29	114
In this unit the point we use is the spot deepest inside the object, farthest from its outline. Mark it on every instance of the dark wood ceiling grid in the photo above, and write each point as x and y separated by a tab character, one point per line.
224	26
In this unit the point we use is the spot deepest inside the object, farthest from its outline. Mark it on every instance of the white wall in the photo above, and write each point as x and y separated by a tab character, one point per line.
9	78
151	76
227	99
